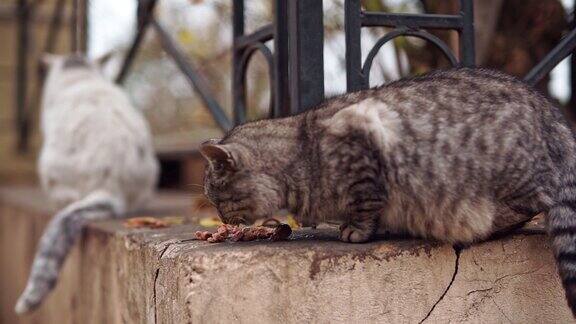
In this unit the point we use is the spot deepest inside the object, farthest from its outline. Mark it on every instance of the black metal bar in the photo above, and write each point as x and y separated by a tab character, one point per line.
22	121
412	20
572	101
467	50
558	53
74	27
261	35
281	59
189	71
83	25
238	75
144	14
353	29
243	67
306	48
54	27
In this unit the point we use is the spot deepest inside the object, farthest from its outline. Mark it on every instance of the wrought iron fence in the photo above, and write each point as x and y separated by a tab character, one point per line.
296	62
358	73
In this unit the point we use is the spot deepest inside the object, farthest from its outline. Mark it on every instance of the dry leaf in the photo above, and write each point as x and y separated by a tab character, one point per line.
146	222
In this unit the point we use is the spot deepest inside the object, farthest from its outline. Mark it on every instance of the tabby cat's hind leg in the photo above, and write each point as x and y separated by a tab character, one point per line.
508	220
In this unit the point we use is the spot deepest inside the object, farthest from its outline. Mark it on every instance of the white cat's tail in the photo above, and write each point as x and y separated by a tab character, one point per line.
56	241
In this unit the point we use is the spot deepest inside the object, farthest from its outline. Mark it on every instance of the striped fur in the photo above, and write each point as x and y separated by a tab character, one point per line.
562	227
561	223
59	236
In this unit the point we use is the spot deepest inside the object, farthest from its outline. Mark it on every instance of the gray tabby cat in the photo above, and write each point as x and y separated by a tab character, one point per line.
454	155
97	162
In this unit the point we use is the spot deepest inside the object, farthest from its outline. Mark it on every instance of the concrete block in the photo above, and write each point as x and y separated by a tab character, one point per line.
121	275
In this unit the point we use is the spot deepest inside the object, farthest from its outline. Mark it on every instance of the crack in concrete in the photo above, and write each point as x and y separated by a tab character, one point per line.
154	296
479	290
160	256
457	251
157	273
502	312
168	245
512	275
164	250
156	279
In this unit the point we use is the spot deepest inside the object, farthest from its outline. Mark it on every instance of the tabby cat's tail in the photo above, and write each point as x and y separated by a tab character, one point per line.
56	242
562	228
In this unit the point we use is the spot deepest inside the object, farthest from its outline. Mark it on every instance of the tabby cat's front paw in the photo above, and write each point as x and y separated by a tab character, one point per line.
352	234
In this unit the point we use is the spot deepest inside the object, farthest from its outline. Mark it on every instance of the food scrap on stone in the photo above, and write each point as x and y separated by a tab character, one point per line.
286	218
235	233
203	235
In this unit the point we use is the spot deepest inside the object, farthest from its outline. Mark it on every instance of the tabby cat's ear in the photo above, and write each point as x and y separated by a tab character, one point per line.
219	156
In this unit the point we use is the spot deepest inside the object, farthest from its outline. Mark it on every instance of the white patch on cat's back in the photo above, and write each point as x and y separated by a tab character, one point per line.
373	117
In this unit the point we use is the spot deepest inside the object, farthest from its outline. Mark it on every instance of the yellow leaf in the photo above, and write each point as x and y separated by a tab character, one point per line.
290	220
210	222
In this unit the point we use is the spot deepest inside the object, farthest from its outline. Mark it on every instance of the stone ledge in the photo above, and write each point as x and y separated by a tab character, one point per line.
119	275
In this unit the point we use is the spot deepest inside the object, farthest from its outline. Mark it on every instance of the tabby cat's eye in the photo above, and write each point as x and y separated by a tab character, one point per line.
218	167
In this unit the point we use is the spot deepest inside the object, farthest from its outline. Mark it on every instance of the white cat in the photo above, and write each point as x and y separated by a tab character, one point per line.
97	162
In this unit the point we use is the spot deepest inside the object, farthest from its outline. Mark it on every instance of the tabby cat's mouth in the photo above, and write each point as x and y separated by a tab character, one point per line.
236	221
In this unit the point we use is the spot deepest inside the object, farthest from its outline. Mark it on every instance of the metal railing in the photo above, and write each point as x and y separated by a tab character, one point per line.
298	32
566	47
358	73
296	61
